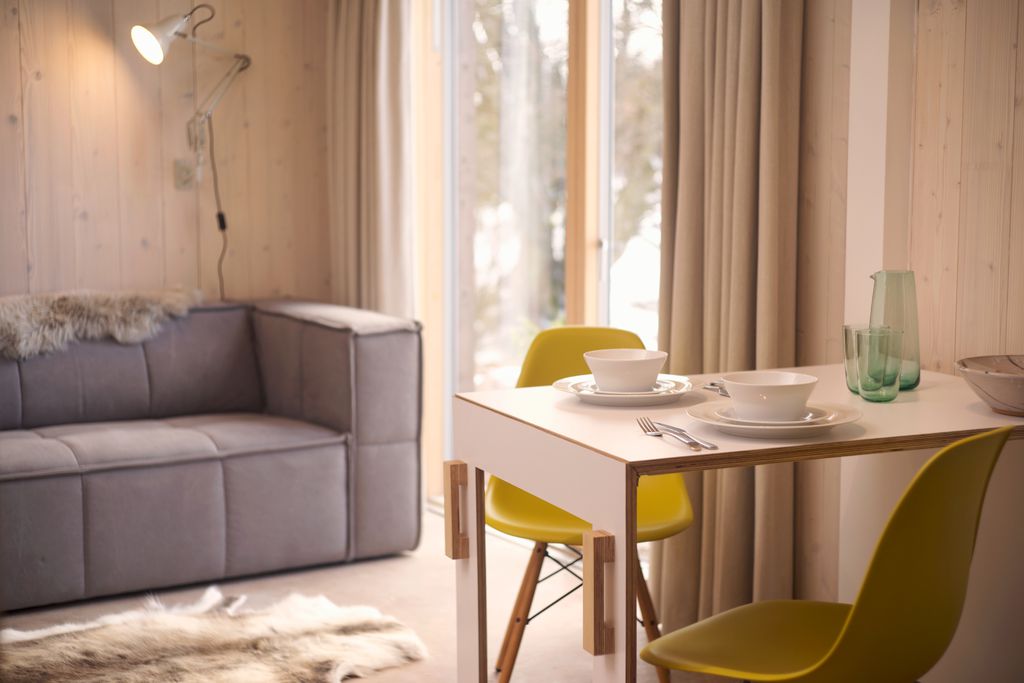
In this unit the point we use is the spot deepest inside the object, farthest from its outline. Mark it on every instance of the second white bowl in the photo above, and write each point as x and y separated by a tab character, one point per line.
625	370
769	395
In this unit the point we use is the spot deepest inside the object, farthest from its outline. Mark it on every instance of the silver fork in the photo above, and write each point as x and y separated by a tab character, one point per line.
648	428
679	430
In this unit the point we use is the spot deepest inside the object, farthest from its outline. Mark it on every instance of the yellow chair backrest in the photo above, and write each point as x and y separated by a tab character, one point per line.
913	593
558	352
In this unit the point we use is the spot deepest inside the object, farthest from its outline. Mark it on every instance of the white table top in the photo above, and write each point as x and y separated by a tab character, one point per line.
942	409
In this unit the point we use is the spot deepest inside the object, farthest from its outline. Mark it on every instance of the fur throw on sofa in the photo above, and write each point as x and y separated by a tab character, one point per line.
32	324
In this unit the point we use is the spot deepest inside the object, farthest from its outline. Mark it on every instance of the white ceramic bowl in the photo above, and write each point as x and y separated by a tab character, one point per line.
997	380
624	370
769	395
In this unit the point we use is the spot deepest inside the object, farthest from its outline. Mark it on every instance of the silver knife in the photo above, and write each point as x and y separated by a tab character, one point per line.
685	438
682	432
717	388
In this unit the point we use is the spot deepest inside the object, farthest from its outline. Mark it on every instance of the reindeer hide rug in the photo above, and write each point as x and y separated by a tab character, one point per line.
298	639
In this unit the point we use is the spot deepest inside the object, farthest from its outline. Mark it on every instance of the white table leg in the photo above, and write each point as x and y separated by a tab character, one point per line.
471	586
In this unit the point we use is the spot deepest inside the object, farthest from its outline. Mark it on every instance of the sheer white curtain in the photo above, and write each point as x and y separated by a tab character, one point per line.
370	154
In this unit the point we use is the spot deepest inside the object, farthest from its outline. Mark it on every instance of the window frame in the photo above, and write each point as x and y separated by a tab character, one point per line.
586	165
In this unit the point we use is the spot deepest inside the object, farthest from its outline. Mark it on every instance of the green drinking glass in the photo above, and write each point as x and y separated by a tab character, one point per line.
850	355
879	361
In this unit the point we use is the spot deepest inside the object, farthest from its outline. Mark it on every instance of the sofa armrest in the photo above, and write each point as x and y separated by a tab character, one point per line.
358	372
352	370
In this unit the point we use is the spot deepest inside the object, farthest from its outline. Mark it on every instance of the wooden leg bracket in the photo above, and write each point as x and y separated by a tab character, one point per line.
456	537
598	552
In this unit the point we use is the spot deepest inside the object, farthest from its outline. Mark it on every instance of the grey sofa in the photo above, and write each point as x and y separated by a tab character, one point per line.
241	439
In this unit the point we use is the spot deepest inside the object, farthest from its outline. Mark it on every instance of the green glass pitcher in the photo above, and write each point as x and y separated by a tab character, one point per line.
894	304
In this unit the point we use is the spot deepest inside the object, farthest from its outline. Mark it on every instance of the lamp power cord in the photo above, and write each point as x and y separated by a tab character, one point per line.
222	221
204	117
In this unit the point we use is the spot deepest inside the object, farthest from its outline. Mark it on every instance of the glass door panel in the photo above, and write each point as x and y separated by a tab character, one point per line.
636	170
510	110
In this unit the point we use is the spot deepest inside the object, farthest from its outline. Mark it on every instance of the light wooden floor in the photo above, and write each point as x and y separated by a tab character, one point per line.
419	589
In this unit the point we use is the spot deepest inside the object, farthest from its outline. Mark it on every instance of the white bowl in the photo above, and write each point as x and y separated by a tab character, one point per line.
769	395
997	380
625	369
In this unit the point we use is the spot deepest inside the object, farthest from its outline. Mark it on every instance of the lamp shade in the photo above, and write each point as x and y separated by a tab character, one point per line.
154	40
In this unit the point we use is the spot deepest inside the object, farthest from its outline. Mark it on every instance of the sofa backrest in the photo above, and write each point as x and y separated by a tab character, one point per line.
202	363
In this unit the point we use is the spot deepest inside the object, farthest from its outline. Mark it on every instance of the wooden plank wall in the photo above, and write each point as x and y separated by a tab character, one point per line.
13	237
89	133
967	198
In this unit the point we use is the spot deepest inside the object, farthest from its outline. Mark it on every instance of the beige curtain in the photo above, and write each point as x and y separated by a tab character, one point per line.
369	154
729	274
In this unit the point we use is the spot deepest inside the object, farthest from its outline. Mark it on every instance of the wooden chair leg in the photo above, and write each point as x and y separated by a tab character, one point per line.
649	616
520	613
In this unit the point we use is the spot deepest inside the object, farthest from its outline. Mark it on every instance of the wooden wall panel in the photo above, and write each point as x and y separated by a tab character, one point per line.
94	163
935	190
261	159
899	128
313	115
90	133
46	89
178	216
967	206
1014	341
13	244
279	98
138	150
986	174
283	133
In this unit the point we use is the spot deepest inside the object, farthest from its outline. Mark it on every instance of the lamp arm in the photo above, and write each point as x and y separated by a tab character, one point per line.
205	110
205	45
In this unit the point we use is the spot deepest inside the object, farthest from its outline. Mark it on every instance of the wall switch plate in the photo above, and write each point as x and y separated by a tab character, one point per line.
184	174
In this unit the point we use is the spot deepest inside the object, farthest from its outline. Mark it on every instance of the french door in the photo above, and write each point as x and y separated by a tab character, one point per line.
553	120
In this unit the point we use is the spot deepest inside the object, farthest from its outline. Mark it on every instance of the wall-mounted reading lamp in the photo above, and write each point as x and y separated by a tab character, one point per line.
153	41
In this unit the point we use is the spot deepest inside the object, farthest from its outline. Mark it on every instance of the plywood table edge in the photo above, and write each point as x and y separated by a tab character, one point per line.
705	460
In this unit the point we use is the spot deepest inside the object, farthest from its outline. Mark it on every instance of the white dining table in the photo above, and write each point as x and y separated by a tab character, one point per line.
587	460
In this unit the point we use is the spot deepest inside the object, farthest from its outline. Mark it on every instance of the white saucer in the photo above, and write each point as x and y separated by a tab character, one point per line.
813	415
668	388
708	413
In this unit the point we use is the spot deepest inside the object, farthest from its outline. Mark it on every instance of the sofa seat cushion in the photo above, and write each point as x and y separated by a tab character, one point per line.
23	451
96	446
103	508
251	432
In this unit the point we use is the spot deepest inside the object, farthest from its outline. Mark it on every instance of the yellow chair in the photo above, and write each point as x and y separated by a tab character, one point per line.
904	616
663	506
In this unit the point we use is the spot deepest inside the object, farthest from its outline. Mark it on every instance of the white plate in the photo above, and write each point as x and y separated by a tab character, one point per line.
813	415
667	389
585	384
708	414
